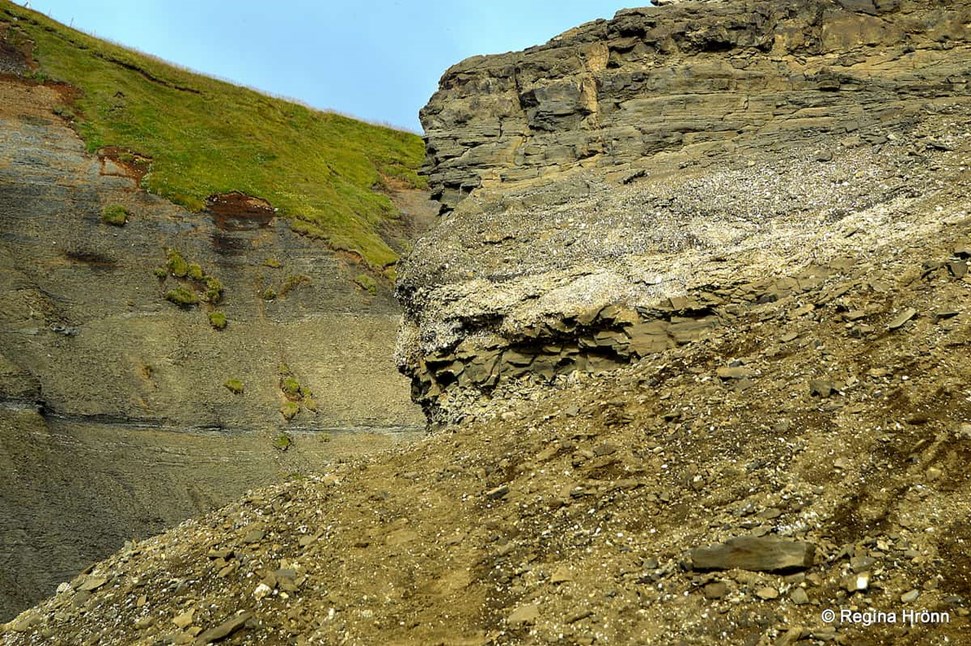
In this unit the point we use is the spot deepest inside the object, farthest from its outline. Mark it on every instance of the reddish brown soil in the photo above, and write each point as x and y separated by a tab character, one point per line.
237	211
129	163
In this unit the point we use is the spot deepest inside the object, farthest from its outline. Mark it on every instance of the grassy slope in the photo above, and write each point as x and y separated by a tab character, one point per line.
207	136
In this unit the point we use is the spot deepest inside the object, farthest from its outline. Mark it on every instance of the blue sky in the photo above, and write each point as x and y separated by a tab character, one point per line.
378	60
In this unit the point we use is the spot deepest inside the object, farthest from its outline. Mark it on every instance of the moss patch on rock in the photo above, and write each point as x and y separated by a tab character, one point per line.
182	296
218	320
114	214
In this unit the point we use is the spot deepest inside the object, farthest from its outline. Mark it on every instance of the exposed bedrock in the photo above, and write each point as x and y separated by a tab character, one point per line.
638	181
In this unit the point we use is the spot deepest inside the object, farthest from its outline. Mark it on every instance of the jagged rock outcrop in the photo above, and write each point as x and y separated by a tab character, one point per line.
636	182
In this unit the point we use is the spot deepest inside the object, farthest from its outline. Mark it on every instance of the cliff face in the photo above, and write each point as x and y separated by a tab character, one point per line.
637	182
116	419
698	79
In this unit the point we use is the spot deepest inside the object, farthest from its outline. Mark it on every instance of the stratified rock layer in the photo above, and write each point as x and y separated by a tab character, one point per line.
635	183
115	418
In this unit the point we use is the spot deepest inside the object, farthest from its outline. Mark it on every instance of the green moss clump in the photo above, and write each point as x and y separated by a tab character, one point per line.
182	296
282	441
234	386
290	387
272	263
367	283
214	290
217	320
161	273
289	410
310	403
268	294
195	271
176	264
114	214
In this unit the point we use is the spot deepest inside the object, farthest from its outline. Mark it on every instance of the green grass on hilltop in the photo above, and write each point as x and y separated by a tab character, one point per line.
207	136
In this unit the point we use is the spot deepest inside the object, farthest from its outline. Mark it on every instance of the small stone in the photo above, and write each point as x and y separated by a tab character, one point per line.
861	563
734	372
799	596
607	448
910	597
185	619
64	587
92	583
224	629
498	492
821	388
757	554
261	591
901	319
254	536
958	268
857	582
547	453
23	623
144	622
770	514
933	473
767	593
562	574
715	590
524	615
792	636
330	480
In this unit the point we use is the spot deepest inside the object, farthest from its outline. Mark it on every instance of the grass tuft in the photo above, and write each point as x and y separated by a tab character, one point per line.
367	283
234	386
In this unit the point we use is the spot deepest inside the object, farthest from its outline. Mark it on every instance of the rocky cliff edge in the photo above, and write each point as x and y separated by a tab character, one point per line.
637	182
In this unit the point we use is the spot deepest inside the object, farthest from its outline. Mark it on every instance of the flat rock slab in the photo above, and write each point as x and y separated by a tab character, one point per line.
757	554
225	629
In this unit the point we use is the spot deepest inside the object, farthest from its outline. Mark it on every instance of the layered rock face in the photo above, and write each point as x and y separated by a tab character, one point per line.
637	182
116	421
